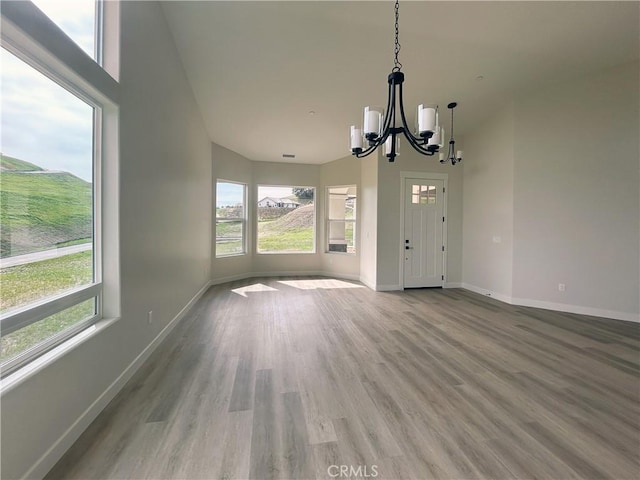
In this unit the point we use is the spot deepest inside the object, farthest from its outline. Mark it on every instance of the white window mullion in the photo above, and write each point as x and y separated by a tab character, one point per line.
15	320
28	355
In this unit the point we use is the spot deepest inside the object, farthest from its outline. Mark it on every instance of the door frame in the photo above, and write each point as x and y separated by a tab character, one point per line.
404	176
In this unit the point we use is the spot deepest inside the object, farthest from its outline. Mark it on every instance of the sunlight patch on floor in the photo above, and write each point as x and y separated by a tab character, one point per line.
255	288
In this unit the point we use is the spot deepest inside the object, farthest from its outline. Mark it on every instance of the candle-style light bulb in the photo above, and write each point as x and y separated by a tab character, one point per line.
372	121
356	138
426	119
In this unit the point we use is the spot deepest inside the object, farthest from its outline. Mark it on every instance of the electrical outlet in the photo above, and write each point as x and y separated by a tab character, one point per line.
561	287
150	317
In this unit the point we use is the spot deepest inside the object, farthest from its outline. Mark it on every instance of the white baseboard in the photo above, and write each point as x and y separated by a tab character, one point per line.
67	439
488	293
388	288
343	276
562	307
558	307
367	283
289	273
232	278
244	276
453	285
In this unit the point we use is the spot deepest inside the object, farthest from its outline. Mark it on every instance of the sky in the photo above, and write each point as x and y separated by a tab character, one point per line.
40	122
231	193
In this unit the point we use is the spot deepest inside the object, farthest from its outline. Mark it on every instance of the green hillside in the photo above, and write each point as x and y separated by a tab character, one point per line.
13	165
41	209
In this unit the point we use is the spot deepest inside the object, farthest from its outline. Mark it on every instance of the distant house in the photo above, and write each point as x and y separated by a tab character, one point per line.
271	202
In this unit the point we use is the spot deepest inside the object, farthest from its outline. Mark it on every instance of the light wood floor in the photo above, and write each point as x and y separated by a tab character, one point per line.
283	378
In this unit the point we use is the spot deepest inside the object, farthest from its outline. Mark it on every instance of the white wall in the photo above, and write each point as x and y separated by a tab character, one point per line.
368	196
557	177
228	165
488	206
165	248
389	199
576	203
345	171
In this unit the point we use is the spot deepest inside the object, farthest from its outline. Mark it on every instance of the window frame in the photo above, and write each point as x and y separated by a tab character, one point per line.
63	62
243	220
315	213
328	220
98	25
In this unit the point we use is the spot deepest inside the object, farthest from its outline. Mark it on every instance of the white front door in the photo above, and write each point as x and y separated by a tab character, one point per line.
423	232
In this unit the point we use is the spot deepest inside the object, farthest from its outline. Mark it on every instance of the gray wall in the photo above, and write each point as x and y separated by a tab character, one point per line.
165	250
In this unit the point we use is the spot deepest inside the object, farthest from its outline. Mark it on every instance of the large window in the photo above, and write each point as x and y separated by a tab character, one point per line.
341	219
79	19
231	218
51	184
286	219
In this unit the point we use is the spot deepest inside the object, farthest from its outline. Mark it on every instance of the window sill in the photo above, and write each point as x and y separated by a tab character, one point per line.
232	255
21	375
286	253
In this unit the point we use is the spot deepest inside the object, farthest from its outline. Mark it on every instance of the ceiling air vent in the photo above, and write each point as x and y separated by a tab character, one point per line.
288	155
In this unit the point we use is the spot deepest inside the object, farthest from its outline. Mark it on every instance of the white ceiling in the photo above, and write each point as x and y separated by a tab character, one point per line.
258	68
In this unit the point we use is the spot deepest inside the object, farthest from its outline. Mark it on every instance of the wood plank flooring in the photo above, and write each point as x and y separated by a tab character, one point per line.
297	378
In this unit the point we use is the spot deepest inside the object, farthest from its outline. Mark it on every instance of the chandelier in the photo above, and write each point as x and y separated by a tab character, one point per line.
380	125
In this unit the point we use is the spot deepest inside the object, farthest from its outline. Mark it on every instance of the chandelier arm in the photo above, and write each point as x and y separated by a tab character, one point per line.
451	154
414	141
391	106
365	153
416	146
373	146
407	132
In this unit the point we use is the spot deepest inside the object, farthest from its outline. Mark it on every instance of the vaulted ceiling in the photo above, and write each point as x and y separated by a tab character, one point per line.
274	78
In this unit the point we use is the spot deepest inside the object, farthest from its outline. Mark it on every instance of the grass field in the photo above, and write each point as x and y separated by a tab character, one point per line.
228	238
290	233
11	164
20	340
286	240
26	283
23	284
40	209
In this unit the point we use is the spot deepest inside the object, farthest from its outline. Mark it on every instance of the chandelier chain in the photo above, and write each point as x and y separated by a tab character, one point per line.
397	65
